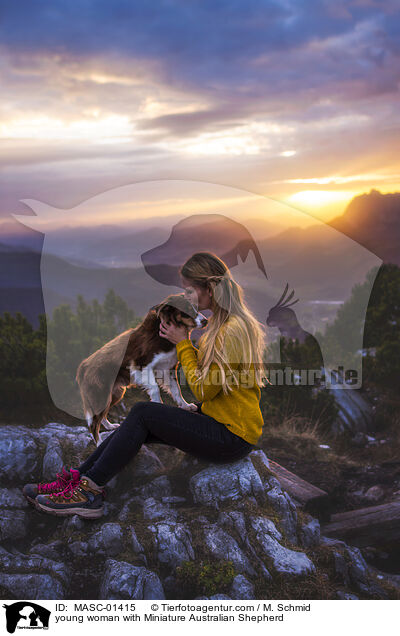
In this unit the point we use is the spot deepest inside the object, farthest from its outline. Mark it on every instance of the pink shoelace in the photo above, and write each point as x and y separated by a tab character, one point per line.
62	480
68	491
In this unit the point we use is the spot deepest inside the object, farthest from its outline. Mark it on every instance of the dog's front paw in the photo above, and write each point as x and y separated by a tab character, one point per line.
109	426
190	407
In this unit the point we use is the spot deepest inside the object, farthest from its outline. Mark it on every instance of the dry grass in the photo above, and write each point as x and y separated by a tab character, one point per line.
303	438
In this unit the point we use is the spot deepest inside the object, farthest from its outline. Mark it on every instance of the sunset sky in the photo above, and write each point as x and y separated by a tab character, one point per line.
294	101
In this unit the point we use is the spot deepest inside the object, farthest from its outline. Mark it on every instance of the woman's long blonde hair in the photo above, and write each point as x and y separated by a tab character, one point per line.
206	270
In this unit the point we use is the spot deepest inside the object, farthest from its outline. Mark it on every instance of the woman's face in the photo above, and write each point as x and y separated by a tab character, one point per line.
199	296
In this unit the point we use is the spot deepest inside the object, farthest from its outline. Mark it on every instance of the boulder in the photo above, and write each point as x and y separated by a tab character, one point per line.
223	546
137	546
78	548
18	453
242	588
123	581
283	505
52	460
374	494
49	551
157	488
173	543
13	524
18	563
146	464
32	586
153	510
108	540
310	533
232	482
283	560
12	498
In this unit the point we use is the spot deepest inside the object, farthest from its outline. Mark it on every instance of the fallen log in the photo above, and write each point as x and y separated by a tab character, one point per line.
312	498
366	526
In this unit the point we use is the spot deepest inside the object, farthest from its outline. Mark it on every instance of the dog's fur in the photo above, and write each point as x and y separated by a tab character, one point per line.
137	357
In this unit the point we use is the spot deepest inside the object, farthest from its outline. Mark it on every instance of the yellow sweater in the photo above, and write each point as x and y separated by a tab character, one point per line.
239	410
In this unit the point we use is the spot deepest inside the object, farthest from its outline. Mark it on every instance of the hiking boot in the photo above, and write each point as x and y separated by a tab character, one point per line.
80	497
30	491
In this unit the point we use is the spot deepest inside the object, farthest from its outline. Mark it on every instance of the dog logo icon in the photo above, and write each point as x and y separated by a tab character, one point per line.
26	615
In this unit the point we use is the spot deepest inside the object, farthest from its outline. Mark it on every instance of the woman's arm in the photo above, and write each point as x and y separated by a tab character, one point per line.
212	385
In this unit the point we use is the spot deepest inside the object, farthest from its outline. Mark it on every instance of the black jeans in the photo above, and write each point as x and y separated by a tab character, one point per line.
192	432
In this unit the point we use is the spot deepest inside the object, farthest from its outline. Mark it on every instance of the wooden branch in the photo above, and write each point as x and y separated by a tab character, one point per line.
366	526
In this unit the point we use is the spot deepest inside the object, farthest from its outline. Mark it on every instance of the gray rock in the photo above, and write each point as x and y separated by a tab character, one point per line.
173	542
52	460
125	581
153	510
157	488
173	500
264	526
220	597
201	519
285	561
340	567
281	502
241	588
234	521
346	596
78	437
78	548
13	524
146	464
219	483
75	522
137	546
18	453
12	498
108	540
329	541
17	563
110	510
33	586
49	551
223	546
352	569
310	533
360	576
374	494
125	512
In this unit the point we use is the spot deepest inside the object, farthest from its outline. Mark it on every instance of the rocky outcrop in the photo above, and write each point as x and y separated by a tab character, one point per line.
125	581
174	527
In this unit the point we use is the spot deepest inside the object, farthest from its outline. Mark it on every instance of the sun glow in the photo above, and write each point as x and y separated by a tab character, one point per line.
318	198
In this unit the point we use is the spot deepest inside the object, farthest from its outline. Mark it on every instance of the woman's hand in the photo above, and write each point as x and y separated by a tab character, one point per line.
173	333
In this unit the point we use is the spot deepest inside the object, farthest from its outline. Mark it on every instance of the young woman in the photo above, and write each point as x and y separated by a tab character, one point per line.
225	374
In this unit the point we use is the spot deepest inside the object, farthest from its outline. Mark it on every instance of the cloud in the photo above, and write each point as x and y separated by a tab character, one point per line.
281	90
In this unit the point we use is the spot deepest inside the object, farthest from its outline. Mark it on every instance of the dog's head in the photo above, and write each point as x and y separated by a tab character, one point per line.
180	311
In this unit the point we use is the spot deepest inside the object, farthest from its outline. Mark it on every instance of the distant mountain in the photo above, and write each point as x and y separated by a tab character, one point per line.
373	220
21	285
319	261
13	234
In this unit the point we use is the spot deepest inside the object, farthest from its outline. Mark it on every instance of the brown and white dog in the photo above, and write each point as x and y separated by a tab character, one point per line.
137	357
